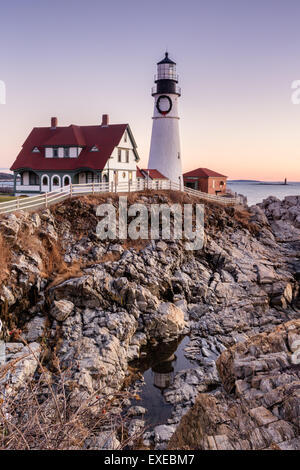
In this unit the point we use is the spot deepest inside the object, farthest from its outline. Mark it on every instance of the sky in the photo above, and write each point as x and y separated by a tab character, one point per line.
236	60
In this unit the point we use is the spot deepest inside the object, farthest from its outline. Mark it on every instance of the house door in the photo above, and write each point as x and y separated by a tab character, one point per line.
89	177
192	185
45	184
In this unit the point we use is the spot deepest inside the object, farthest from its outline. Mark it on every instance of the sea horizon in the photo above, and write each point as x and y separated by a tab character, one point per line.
245	180
257	191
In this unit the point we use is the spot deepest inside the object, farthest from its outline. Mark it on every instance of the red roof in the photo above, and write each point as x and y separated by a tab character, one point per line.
106	138
139	174
203	173
71	135
153	174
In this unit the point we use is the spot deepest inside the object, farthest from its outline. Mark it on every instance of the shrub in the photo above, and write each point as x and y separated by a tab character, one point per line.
42	416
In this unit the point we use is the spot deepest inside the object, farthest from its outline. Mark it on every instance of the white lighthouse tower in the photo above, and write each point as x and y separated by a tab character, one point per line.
165	143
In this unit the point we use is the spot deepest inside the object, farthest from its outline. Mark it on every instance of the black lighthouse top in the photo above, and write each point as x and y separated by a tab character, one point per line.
166	79
166	60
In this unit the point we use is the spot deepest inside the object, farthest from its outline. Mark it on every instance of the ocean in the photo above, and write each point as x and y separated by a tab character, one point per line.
6	184
256	191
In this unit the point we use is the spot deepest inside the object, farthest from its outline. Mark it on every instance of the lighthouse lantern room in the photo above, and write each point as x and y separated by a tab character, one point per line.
165	153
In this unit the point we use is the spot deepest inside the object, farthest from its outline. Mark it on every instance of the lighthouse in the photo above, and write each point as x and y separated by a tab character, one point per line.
165	153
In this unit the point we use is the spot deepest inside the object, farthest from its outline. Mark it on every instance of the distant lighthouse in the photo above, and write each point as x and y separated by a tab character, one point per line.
165	153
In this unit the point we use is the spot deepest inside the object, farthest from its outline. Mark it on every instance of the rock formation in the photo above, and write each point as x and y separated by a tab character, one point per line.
97	303
258	405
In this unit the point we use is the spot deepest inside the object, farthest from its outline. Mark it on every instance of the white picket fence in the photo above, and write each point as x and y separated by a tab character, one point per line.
47	199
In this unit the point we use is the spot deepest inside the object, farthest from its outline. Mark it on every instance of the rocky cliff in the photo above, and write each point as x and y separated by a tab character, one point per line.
257	406
97	303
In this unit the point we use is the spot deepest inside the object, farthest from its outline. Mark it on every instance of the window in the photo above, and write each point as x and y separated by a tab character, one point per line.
123	175
130	175
45	181
119	155
125	136
55	181
67	181
94	149
33	179
35	150
127	156
167	71
178	154
55	153
66	152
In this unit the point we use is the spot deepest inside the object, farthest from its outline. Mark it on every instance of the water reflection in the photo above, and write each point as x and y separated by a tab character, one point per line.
159	360
164	373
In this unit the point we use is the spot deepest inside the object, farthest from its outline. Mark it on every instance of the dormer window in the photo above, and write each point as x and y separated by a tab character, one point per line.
94	149
35	150
66	152
55	153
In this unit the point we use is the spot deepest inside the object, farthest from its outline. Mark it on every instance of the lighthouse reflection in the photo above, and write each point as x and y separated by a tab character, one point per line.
160	360
159	364
164	373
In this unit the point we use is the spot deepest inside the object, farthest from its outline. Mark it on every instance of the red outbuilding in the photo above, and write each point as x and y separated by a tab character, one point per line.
205	180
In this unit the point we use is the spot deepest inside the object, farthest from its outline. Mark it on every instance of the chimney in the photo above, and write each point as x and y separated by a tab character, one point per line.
53	122
105	120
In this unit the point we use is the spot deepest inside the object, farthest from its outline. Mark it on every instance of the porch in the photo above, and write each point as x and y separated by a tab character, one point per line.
88	176
30	181
26	181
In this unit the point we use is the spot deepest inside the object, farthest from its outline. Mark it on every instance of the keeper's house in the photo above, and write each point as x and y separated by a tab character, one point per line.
205	180
53	157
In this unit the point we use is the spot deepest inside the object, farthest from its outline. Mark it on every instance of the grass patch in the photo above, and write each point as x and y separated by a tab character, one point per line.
6	198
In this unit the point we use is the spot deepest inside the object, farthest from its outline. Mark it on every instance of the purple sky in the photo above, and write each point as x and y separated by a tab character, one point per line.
236	60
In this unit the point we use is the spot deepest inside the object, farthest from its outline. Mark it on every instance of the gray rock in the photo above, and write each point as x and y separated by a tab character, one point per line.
35	329
162	435
61	309
136	411
167	323
26	359
116	248
104	441
161	246
136	428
